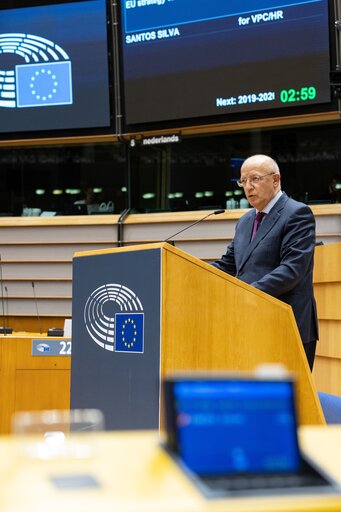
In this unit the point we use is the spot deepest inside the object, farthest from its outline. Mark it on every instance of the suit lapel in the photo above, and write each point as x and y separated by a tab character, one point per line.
268	222
245	236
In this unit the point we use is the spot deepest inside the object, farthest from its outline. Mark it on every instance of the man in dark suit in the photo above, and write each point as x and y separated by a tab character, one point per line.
273	246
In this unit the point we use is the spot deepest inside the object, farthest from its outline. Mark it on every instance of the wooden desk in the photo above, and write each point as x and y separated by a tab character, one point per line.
135	475
27	382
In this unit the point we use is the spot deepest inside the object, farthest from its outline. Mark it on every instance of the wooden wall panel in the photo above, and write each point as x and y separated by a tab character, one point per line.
328	298
330	338
327	288
327	375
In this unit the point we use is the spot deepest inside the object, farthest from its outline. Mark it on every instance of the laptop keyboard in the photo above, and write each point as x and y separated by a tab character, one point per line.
261	482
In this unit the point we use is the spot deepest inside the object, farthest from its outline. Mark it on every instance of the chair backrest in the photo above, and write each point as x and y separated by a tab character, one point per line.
331	406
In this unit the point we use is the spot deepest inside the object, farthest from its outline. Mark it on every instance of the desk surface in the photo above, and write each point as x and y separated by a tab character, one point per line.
135	475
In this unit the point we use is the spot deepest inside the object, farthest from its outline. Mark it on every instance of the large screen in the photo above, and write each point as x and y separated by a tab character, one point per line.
54	67
186	59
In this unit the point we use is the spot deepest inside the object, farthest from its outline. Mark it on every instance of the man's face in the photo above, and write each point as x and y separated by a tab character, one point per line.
259	193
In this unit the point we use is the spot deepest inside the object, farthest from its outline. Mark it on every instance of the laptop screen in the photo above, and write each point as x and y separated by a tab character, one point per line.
232	425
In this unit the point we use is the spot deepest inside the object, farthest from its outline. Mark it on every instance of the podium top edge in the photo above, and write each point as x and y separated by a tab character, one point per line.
140	247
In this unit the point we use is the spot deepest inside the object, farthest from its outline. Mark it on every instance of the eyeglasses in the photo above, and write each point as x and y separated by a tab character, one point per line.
253	180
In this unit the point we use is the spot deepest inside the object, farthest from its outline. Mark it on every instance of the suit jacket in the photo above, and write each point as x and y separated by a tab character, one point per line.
279	260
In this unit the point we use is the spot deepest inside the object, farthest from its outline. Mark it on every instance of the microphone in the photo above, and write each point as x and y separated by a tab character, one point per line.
4	330
36	303
216	212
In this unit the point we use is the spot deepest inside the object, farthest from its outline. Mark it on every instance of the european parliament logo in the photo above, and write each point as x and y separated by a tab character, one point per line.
121	331
45	78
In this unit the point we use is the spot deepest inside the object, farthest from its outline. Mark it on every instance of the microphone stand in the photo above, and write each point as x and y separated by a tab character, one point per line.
36	304
216	212
4	330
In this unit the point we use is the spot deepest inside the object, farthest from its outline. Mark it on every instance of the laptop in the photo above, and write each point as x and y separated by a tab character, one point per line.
236	435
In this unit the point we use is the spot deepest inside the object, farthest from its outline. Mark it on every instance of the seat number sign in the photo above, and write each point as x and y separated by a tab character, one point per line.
51	347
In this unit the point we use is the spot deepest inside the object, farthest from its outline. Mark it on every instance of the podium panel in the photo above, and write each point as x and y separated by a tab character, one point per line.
116	316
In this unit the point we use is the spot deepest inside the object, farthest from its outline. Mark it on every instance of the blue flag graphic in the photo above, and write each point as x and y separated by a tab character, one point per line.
129	332
44	84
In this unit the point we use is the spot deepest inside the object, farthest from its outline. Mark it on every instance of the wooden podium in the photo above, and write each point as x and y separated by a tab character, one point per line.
142	311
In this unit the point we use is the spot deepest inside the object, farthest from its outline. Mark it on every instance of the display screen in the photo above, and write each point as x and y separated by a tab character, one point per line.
235	426
54	67
186	59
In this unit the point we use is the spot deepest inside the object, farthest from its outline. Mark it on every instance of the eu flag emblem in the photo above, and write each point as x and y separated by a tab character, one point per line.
129	332
46	84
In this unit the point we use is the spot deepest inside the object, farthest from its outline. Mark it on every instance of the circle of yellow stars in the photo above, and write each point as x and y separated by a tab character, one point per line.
53	84
129	323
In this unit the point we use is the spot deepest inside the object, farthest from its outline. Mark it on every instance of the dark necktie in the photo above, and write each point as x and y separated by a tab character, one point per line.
256	223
